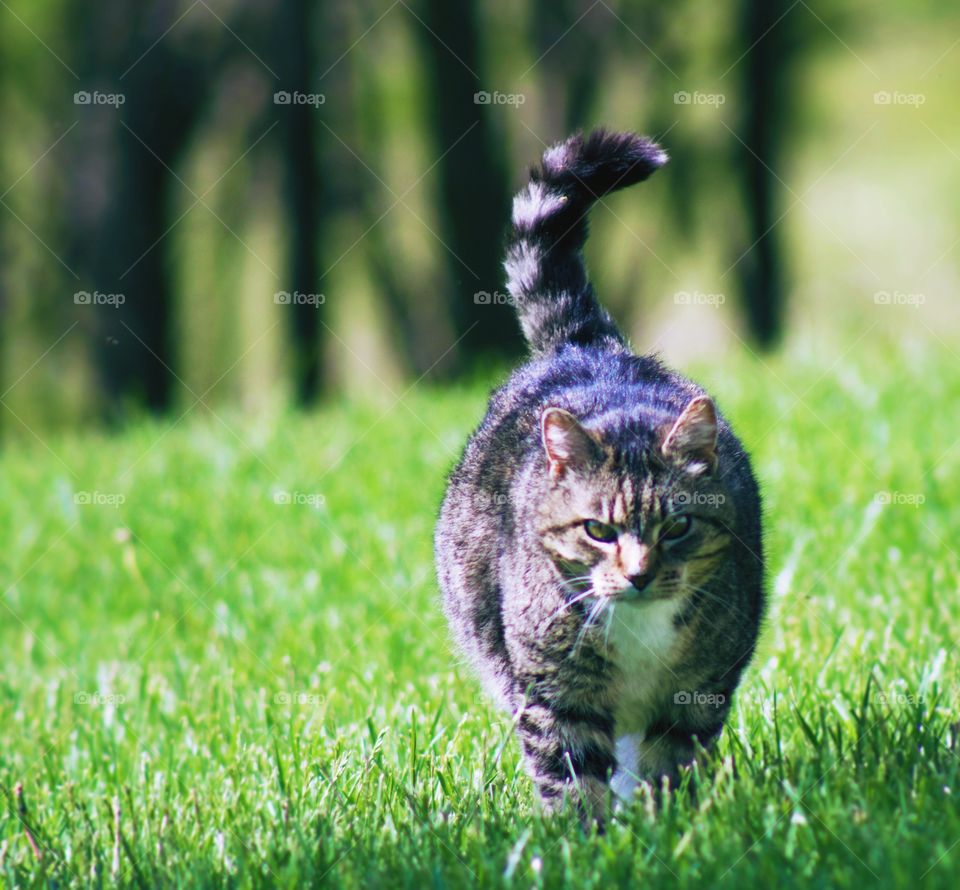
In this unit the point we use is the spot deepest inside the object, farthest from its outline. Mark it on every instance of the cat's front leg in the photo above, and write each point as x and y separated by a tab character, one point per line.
669	745
569	754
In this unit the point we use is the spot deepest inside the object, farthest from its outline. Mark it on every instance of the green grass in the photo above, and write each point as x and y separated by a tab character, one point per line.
272	698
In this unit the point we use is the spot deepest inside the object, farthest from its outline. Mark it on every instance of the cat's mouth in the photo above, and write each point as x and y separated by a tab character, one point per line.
630	595
649	594
661	585
583	586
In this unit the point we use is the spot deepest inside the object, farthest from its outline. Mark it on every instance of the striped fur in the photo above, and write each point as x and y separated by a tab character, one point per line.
614	656
546	276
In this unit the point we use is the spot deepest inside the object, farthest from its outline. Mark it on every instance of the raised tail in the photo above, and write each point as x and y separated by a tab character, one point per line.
546	275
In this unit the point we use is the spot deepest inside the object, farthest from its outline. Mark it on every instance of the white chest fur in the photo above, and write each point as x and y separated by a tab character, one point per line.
641	639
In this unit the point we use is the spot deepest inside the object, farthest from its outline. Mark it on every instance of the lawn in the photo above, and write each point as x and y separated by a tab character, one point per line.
224	661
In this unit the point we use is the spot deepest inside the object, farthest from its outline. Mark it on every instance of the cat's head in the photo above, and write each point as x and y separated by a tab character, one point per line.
638	514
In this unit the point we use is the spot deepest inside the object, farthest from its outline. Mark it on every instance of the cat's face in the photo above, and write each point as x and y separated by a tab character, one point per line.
639	526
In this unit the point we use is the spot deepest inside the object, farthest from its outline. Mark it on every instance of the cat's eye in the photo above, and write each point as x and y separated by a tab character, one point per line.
600	531
675	528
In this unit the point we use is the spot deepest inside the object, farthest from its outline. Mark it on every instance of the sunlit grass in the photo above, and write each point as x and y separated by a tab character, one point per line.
236	645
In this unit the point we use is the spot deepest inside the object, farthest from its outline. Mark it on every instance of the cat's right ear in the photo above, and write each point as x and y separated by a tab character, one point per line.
567	444
693	438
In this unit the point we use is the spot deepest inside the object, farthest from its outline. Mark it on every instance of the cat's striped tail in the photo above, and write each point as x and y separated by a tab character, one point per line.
546	275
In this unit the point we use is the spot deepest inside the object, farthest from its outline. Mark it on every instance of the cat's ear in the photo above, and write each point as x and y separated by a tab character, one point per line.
692	440
567	443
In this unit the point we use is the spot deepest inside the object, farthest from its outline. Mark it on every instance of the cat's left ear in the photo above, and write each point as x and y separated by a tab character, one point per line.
692	440
567	443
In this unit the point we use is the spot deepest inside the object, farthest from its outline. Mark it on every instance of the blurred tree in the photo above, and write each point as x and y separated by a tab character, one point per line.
167	70
571	61
365	123
404	260
295	58
122	177
768	33
474	194
401	84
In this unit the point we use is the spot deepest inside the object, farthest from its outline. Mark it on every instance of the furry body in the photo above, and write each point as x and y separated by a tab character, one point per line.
599	546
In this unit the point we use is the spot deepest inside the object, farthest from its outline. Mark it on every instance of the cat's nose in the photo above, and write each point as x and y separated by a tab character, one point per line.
641	581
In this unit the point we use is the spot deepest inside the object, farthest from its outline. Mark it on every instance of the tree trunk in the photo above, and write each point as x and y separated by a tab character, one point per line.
764	86
474	193
303	190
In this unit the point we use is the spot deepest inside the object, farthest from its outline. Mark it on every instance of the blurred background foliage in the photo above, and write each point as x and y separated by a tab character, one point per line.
813	187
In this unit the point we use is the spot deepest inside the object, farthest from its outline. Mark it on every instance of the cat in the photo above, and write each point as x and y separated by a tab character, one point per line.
599	545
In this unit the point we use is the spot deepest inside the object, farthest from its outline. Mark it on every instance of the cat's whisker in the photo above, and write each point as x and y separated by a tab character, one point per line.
580	597
592	615
569	604
610	618
618	492
577	579
710	595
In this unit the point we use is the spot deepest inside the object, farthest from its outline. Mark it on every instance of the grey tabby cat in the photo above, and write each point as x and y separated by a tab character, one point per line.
599	546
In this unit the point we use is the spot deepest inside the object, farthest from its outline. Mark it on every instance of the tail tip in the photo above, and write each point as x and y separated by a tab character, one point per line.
629	156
